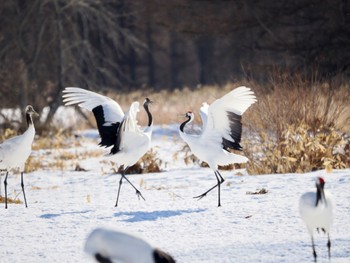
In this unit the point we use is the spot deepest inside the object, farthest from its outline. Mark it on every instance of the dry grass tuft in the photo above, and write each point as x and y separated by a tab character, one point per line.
55	140
10	200
149	163
261	191
298	125
7	134
59	159
299	149
293	99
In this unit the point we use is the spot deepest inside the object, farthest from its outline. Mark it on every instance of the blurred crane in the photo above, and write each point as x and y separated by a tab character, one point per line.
316	210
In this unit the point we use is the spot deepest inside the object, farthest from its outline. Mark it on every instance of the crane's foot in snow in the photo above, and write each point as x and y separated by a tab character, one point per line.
199	197
138	193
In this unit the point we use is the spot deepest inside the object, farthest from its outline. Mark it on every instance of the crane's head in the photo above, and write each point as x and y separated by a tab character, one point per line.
147	102
320	195
30	110
320	181
189	114
190	117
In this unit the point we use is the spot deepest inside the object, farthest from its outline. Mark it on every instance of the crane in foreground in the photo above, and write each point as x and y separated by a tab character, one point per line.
221	131
316	210
108	246
15	151
117	130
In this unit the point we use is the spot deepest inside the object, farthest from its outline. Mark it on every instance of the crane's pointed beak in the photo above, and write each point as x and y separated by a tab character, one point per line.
182	115
35	113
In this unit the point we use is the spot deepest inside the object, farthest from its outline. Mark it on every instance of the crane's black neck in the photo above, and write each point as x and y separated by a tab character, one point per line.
182	126
29	119
150	119
320	194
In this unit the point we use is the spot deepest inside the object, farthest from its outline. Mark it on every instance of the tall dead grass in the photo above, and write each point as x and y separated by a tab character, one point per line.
292	99
298	125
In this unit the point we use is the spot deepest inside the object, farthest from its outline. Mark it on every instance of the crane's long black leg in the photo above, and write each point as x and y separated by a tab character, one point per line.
220	181
120	185
329	247
5	185
137	191
24	194
221	178
313	248
219	184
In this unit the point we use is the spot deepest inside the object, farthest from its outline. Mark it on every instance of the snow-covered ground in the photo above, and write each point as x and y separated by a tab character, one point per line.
65	206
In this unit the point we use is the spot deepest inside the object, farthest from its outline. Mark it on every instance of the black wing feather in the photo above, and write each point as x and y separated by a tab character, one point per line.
102	259
108	132
162	257
235	124
117	140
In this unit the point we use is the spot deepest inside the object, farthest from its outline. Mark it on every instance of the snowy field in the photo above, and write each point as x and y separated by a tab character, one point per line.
65	206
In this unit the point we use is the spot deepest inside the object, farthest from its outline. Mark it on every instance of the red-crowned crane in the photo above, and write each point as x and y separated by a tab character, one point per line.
221	131
316	210
108	246
117	130
15	151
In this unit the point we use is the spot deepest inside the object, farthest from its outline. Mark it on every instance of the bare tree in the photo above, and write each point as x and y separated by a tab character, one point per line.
58	43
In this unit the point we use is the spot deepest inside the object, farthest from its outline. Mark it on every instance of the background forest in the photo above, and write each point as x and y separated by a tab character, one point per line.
124	45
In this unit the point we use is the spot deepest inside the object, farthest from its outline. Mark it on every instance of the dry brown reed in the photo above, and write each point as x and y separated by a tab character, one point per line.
298	125
289	107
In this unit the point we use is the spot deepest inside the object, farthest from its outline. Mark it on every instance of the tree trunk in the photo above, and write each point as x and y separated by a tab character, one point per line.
56	102
174	70
205	48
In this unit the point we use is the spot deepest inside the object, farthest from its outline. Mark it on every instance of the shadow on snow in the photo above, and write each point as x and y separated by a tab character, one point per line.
154	215
48	216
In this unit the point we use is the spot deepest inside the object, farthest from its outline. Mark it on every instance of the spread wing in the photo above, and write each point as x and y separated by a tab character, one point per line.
224	124
107	112
204	114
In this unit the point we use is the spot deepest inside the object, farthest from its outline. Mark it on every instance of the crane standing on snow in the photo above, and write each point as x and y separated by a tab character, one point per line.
316	210
121	131
222	129
15	151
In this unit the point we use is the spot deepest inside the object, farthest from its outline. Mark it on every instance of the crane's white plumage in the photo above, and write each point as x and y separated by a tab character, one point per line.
90	100
15	151
222	129
121	131
316	210
203	111
114	246
134	142
118	246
